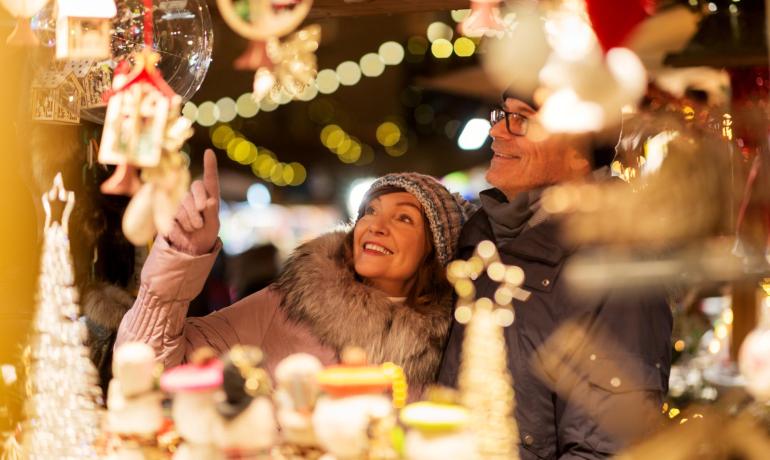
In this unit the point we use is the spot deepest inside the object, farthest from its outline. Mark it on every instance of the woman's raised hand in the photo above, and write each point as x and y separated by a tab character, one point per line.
196	224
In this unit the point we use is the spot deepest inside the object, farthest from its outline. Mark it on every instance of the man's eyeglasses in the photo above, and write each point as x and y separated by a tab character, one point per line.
515	122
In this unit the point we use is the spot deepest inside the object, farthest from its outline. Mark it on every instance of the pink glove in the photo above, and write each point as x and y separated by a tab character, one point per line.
196	224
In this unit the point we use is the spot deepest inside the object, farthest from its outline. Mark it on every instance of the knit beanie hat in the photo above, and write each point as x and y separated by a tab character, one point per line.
446	212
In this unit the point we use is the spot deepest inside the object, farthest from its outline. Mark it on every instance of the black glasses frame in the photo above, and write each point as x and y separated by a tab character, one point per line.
520	121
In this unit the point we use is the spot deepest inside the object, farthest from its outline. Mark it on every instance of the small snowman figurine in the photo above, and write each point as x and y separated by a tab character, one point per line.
248	430
354	418
295	398
135	413
438	428
195	387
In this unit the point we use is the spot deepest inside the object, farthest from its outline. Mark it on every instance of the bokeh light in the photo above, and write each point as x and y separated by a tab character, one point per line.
221	136
388	134
190	111
460	15
391	53
417	46
246	106
464	47
227	109
439	30
208	114
258	195
327	81
441	48
372	65
349	73
300	174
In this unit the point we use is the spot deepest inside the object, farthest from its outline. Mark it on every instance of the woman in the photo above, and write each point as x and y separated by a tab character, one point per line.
380	286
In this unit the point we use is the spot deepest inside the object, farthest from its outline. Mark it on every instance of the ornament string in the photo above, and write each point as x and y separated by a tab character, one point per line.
148	23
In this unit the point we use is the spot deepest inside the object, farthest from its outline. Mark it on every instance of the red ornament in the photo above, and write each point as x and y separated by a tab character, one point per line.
613	20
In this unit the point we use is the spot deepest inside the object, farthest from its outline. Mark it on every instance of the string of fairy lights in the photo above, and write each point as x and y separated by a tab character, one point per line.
265	164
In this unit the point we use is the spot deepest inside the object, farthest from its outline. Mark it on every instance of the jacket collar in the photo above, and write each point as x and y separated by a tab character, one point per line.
541	243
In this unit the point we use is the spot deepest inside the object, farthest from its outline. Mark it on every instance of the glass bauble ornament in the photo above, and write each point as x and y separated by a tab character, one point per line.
44	25
182	35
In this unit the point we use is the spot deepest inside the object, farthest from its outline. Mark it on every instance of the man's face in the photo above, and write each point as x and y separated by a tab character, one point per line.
522	163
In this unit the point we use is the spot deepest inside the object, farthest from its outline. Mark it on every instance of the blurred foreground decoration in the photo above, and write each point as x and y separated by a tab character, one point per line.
564	69
288	66
22	10
486	386
144	129
183	37
583	365
63	406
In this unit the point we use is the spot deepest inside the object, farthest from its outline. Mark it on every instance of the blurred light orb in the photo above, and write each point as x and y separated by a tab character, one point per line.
356	193
349	73
392	53
227	109
439	30
441	48
417	45
464	47
208	114
474	134
460	15
388	134
246	106
327	81
372	65
309	93
300	174
258	195
190	111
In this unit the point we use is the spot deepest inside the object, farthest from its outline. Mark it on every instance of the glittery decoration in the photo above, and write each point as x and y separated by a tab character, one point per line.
486	386
63	406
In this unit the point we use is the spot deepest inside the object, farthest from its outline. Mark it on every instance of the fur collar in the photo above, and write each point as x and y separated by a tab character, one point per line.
319	292
105	304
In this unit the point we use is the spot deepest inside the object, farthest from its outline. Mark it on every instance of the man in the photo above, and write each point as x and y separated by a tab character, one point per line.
614	366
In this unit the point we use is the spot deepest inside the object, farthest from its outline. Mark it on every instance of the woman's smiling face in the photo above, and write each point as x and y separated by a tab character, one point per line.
389	242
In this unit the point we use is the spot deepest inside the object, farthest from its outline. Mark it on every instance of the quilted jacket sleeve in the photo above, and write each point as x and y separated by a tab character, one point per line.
170	280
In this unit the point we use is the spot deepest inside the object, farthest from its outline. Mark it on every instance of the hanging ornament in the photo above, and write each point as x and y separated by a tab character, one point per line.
254	57
614	21
484	19
290	65
84	29
61	91
57	93
266	18
23	10
144	129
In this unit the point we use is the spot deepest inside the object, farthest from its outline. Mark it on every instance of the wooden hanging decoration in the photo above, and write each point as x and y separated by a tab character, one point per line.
144	129
84	28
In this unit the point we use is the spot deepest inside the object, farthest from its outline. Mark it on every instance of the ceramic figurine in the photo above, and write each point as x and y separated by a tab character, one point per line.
295	398
354	417
196	387
438	428
248	430
134	412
